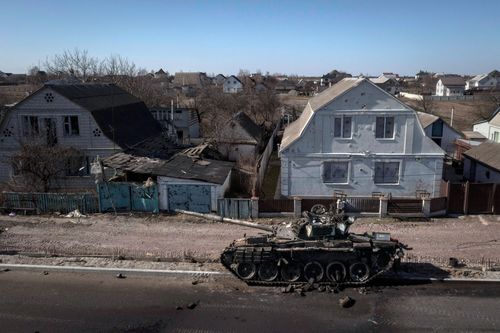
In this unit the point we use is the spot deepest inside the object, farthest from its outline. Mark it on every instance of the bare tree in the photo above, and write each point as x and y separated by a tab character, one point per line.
76	62
38	166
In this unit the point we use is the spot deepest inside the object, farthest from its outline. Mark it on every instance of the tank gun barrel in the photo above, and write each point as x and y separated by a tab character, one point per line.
228	220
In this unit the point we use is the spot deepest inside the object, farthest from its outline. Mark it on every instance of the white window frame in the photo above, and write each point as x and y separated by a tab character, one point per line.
70	125
385	124
400	170
341	137
322	170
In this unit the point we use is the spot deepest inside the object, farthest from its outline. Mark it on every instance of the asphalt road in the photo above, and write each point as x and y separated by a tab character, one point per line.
31	301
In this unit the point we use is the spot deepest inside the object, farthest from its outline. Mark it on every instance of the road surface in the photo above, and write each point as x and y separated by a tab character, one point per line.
32	301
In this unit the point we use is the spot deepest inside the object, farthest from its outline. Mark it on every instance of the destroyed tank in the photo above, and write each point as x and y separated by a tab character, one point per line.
317	249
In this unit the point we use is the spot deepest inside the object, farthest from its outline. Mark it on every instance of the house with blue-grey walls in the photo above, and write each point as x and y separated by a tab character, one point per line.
95	119
356	138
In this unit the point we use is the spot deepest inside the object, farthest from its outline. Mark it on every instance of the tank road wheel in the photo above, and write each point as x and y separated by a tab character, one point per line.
336	271
359	272
268	271
246	270
382	259
291	272
313	270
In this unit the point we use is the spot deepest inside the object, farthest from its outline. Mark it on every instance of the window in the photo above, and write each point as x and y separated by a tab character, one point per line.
77	166
342	127
386	172
71	126
437	129
335	172
30	125
384	128
495	136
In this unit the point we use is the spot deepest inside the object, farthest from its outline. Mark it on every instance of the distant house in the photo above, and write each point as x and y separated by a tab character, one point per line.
98	119
219	80
241	139
482	163
450	85
195	80
356	138
481	82
387	83
439	131
489	128
232	85
181	124
284	86
161	74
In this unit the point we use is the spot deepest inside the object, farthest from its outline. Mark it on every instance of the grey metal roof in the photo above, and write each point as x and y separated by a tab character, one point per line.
488	153
426	119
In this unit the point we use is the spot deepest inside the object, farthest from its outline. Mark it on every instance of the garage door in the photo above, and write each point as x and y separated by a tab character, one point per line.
195	198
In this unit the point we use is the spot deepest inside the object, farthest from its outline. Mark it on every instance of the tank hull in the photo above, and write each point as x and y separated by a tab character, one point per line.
357	259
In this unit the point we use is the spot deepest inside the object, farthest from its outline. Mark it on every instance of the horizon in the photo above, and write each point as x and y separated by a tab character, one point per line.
290	38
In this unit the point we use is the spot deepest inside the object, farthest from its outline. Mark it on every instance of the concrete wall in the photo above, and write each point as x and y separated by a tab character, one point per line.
420	158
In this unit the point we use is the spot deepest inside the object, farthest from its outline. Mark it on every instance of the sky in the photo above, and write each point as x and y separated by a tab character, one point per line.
291	37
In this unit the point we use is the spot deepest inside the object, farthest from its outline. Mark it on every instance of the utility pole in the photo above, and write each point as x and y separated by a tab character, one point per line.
451	120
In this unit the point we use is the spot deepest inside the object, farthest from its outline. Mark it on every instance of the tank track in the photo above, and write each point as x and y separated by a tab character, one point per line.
302	283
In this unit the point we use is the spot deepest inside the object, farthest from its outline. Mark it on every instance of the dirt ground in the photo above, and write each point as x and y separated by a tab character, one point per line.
182	238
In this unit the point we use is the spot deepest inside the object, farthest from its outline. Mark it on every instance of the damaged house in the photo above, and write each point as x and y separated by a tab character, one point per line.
93	119
192	179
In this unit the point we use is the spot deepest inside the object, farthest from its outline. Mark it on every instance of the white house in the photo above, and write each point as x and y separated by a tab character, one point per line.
357	138
439	131
489	128
232	85
481	82
97	119
387	83
450	85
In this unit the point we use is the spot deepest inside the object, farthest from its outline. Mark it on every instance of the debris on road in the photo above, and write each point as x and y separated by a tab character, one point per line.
288	289
120	276
75	213
192	305
179	307
346	302
45	273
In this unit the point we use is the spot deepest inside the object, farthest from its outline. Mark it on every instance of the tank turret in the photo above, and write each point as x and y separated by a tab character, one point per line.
316	248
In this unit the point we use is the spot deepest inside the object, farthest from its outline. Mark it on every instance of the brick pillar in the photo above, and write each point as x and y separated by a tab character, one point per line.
297	207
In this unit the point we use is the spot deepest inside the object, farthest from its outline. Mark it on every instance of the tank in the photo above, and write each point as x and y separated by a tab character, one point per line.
318	248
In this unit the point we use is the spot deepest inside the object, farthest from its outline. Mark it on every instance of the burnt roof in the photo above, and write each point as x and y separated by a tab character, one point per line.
179	166
122	117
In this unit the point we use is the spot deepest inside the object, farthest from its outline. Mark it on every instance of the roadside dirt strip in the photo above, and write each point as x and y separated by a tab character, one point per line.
169	242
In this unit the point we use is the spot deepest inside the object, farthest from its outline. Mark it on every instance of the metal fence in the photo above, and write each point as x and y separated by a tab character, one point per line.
86	203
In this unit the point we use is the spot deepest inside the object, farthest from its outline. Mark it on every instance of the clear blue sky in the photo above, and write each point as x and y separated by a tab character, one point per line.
301	37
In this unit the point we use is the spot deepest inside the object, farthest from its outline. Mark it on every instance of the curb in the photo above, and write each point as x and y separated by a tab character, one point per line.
191	273
82	269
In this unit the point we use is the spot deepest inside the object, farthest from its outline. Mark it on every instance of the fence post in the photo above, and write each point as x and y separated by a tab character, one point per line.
466	198
426	206
254	209
492	198
382	210
297	206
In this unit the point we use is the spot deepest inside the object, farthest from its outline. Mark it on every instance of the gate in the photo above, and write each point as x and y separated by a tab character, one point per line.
127	197
235	208
480	198
456	198
194	198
